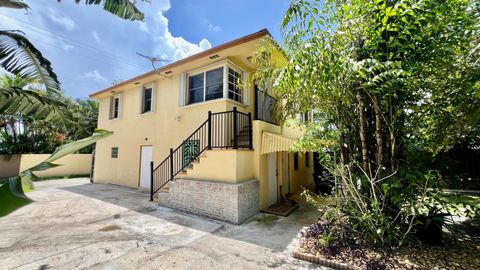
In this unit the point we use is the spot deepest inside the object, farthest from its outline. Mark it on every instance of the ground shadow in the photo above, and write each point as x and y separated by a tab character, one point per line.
266	230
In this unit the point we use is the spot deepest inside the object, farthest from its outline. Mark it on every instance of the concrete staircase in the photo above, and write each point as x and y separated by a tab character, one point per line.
182	174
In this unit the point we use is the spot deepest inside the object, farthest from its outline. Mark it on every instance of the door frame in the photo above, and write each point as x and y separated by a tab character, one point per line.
285	165
275	163
140	164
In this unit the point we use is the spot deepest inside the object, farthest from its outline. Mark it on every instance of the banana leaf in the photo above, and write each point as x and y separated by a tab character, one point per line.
12	196
12	190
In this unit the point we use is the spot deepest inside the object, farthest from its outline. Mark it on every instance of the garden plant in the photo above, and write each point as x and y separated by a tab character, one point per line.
387	81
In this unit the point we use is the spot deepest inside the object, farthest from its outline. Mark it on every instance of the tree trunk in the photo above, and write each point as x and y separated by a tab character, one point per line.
378	132
363	138
392	136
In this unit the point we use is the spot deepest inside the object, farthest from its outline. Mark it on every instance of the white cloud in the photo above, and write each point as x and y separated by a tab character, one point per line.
61	19
95	75
96	67
66	47
214	28
144	27
167	44
95	36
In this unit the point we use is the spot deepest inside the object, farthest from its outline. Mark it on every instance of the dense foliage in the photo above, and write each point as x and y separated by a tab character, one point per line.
383	78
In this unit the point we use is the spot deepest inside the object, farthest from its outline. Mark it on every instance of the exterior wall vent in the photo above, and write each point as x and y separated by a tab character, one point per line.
168	72
214	56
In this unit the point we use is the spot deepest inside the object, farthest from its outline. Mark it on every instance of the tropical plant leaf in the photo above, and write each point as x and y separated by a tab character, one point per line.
18	4
12	189
12	196
14	100
124	9
20	57
77	145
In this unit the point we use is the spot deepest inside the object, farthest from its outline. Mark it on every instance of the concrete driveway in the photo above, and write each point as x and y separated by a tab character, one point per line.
76	225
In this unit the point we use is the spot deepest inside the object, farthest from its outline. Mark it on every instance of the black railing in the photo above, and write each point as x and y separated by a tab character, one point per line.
231	129
265	107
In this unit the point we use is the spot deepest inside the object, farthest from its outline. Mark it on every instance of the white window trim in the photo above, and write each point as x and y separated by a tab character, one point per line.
112	104
241	72
153	101
225	64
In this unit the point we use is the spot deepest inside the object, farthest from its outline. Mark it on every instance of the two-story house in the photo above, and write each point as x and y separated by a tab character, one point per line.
197	139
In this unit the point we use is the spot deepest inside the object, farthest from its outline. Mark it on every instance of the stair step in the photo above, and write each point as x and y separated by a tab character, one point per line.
156	197
165	189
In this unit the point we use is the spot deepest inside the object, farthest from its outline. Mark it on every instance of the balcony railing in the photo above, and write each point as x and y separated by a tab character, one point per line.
265	106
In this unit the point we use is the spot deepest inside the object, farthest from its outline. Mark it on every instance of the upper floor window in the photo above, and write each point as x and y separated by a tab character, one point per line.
224	81
234	87
114	111
195	88
147	99
205	86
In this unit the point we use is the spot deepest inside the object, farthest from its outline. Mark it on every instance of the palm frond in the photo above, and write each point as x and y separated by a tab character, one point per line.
14	100
124	9
19	56
18	4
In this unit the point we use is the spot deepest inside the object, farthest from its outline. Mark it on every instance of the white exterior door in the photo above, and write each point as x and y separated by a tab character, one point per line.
272	179
145	159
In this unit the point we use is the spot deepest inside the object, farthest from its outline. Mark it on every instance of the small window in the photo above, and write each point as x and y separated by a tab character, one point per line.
307	159
214	84
147	99
234	87
205	86
195	88
115	107
295	161
221	82
114	152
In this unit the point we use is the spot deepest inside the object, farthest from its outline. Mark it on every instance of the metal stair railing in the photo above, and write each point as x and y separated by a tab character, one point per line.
220	131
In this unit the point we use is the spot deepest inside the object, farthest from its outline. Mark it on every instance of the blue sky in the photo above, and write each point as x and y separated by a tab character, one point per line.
90	48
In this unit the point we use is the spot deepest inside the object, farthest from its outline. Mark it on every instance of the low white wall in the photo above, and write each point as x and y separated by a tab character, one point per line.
73	164
9	165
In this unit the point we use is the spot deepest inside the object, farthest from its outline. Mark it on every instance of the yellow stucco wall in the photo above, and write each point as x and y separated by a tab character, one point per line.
170	124
302	178
73	164
297	178
162	129
229	166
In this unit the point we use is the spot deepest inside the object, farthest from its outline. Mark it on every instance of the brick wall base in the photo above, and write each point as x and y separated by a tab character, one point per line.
234	203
